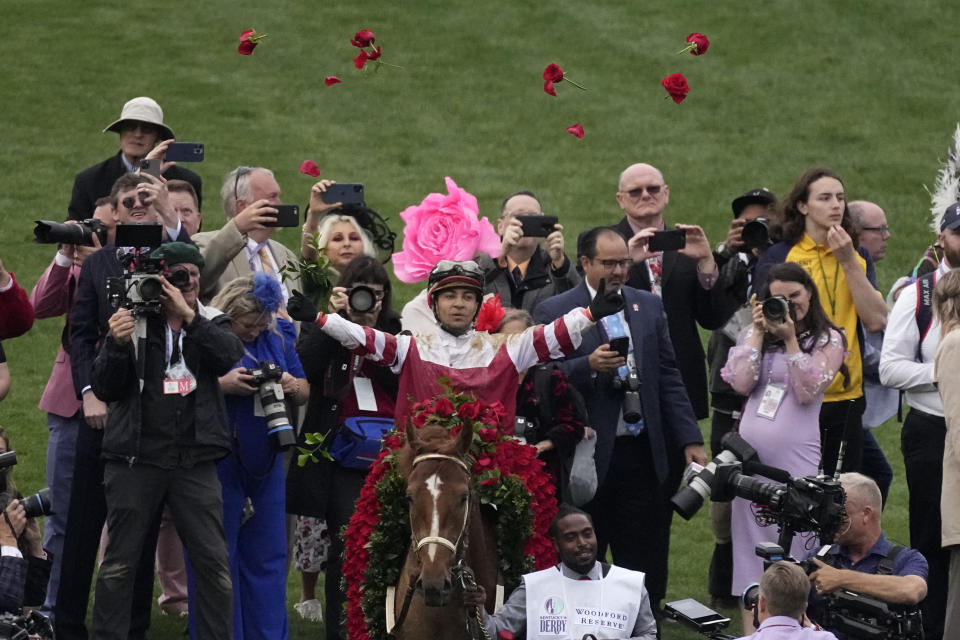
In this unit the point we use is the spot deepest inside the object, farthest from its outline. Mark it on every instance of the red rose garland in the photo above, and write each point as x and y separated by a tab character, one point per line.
497	459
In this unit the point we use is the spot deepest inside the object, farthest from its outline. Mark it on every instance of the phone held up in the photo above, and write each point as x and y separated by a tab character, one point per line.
184	152
288	215
344	193
151	166
537	226
670	240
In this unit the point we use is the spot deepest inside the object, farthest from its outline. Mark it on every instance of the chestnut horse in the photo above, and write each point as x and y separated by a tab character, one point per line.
447	532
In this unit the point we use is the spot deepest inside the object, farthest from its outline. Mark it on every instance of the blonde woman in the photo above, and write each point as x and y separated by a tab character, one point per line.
946	302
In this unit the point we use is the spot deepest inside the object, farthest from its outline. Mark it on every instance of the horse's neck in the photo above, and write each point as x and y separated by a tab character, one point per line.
483	552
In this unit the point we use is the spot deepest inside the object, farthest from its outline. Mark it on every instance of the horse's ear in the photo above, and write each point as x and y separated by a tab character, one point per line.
464	440
412	440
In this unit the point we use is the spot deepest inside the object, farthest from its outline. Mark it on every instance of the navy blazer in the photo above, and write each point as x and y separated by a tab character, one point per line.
89	318
97	181
667	414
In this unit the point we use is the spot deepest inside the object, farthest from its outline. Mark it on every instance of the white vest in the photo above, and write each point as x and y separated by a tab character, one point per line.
559	607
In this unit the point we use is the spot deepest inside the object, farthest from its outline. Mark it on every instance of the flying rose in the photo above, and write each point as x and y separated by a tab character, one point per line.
697	44
576	130
442	227
553	74
360	60
676	85
331	80
310	168
363	38
489	317
375	54
249	40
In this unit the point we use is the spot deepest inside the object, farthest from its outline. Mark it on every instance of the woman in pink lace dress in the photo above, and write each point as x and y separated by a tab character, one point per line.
783	367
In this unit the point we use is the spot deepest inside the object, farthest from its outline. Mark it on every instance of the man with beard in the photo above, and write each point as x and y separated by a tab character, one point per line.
906	363
577	596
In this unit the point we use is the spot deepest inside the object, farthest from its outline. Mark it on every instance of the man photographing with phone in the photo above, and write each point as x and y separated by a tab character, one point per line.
528	271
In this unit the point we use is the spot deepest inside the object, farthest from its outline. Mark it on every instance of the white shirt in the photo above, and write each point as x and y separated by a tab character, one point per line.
898	359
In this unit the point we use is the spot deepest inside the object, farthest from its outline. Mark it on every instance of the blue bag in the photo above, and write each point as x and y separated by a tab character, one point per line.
358	441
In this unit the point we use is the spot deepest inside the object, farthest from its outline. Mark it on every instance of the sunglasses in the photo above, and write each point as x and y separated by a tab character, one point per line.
637	192
131	201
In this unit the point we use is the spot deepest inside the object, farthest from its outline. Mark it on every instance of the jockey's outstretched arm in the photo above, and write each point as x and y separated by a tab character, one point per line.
552	341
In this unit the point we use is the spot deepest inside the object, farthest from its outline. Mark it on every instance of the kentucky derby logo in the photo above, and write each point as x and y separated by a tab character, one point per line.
553	606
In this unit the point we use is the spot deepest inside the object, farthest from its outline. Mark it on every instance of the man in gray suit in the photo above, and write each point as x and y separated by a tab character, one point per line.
243	245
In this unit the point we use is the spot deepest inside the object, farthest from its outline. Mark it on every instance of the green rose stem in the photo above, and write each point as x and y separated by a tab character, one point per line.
692	46
574	83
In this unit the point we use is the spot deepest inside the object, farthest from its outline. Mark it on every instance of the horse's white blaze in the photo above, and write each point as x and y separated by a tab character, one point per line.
433	486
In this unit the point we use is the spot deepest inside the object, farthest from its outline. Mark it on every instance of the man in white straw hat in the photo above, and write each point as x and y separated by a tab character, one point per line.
141	127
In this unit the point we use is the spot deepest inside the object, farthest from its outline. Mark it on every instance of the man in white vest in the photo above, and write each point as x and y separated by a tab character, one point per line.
577	596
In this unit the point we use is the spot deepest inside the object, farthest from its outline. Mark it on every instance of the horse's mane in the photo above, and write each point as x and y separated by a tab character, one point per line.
431	438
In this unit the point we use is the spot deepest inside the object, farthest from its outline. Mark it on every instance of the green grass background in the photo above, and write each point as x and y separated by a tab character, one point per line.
867	88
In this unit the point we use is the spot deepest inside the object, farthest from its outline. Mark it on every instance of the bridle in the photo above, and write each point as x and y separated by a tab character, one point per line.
424	541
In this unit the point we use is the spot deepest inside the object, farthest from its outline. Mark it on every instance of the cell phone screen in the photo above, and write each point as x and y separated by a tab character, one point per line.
620	345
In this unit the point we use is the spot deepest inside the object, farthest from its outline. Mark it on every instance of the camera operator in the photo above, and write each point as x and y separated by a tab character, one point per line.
590	597
24	565
782	603
736	258
136	199
165	432
52	296
783	362
252	477
862	560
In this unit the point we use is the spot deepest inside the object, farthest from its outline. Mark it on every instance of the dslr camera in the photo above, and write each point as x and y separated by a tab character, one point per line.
36	505
48	232
266	377
629	385
756	234
775	308
362	298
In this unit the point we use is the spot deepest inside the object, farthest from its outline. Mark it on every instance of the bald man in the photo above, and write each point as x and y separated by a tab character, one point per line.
871	224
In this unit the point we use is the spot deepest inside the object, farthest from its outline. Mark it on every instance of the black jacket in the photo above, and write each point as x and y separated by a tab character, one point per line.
541	281
686	304
210	349
97	181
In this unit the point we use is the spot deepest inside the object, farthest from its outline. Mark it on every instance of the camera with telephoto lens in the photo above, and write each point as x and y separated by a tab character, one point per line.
266	378
775	308
756	234
31	625
361	298
48	232
38	504
630	386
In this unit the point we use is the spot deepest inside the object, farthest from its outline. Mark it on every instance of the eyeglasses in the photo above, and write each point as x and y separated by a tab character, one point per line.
637	192
881	230
610	265
131	201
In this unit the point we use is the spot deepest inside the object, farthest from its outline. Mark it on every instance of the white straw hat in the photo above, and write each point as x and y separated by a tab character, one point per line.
142	109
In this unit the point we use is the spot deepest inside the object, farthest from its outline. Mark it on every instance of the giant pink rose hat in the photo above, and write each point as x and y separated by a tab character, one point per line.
443	227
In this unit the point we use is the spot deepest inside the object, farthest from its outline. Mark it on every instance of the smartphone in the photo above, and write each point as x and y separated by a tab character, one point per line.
184	152
668	240
288	215
151	166
621	345
700	616
537	226
344	193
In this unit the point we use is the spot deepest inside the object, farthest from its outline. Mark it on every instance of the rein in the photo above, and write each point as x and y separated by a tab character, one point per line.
461	571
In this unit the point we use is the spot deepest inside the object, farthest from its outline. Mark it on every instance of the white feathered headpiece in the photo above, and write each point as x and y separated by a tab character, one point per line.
946	190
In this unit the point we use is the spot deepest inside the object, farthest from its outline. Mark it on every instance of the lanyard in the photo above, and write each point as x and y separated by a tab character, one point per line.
831	296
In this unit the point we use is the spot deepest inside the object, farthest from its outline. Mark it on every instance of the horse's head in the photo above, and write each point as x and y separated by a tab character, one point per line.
438	490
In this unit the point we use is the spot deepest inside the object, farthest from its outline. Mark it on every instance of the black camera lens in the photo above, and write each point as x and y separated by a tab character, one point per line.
756	234
179	278
39	504
775	308
362	299
149	288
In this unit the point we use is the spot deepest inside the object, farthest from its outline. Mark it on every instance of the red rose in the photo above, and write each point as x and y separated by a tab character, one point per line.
360	60
488	435
470	410
248	42
489	317
576	130
363	38
548	87
700	44
443	407
676	85
373	55
331	80
553	73
310	168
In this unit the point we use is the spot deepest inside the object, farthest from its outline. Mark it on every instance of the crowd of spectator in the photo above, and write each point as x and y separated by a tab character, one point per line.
161	438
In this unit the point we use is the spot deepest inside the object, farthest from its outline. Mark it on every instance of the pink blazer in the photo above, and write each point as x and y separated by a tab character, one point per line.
51	297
